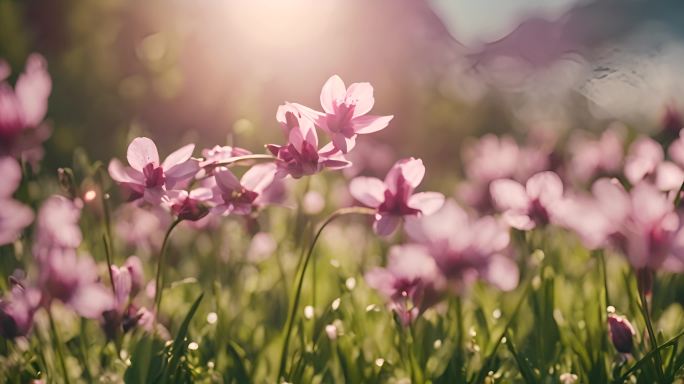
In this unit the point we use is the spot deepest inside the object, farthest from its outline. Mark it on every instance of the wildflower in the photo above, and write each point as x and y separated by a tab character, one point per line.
14	216
595	157
241	197
301	156
621	333
218	155
466	248
393	198
57	229
411	282
127	281
530	206
346	112
188	205
146	177
676	149
643	158
23	109
16	311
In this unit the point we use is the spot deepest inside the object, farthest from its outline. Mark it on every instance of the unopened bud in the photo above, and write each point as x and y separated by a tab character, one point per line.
621	333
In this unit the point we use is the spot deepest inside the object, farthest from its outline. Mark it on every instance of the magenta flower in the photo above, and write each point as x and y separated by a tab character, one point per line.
16	311
346	112
217	155
146	177
530	206
393	198
301	156
645	226
621	333
23	109
188	205
242	197
466	248
128	281
643	158
14	216
411	282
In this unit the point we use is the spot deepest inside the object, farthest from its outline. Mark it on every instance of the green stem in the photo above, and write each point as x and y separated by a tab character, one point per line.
159	281
58	346
300	279
651	334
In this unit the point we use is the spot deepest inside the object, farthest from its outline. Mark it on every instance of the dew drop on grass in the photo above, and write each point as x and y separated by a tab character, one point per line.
496	314
379	362
193	346
212	318
437	344
308	312
350	283
610	309
336	304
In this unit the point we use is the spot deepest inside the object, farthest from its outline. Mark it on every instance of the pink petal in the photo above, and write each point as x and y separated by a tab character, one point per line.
427	202
386	224
413	171
669	176
612	198
332	93
153	195
179	156
340	142
226	180
518	220
259	177
370	123
437	226
11	176
546	186
361	95
381	280
122	174
502	272
180	172
91	300
676	150
33	88
14	217
368	190
508	194
142	151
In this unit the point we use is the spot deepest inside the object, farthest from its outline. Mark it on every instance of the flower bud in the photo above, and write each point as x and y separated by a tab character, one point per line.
621	333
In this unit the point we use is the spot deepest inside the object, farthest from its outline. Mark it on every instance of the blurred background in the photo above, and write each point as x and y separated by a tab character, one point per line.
214	72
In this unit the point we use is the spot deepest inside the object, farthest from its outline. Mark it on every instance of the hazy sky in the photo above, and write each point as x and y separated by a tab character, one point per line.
475	21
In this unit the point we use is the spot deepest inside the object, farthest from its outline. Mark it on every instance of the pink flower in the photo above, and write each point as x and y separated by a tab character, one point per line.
14	216
146	177
644	156
217	155
411	282
676	149
590	158
530	206
22	110
346	112
645	226
621	333
241	197
394	198
127	281
188	205
301	156
466	248
16	311
57	229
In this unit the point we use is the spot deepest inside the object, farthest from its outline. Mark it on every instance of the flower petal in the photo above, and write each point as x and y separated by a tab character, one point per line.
386	224
180	172
226	180
11	176
333	92
32	89
370	123
259	177
361	95
142	151
180	155
427	202
508	194
122	174
545	186
370	191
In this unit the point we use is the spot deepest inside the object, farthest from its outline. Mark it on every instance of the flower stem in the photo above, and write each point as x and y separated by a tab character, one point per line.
159	281
58	346
651	335
300	279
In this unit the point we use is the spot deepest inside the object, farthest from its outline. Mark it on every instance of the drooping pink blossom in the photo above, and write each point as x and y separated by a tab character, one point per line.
14	216
17	310
393	198
642	160
127	281
23	109
301	155
532	205
411	282
146	177
186	205
346	112
242	197
466	248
